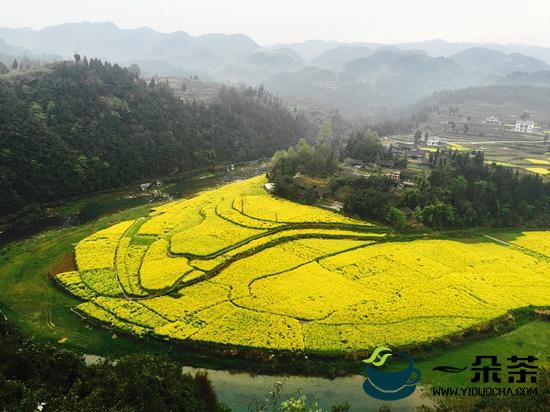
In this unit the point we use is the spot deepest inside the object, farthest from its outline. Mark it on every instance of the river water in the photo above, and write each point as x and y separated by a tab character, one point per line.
240	391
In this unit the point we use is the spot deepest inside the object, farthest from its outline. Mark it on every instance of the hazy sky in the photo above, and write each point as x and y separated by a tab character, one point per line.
385	21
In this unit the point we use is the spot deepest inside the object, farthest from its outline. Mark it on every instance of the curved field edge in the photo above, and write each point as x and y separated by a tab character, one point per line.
43	312
293	360
206	207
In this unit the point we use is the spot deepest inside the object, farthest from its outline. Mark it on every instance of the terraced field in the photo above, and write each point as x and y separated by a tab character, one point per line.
238	267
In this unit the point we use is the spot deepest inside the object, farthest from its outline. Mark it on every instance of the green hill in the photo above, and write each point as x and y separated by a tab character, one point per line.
76	128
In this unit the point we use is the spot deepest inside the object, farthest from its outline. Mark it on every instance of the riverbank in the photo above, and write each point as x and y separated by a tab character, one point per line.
241	390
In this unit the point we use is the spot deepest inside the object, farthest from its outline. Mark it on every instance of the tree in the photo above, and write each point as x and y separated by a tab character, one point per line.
401	162
33	374
135	69
417	137
396	218
437	215
365	146
304	153
77	58
371	203
14	65
310	196
325	133
4	69
525	115
323	161
458	187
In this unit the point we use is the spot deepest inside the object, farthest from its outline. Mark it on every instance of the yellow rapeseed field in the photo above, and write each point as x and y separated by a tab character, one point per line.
159	270
98	250
537	241
539	162
539	170
236	266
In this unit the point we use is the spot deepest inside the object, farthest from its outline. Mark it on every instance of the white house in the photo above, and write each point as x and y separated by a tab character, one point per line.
525	126
492	120
434	141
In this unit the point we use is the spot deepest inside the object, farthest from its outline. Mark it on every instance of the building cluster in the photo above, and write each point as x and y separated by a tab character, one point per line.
435	141
525	126
521	126
493	120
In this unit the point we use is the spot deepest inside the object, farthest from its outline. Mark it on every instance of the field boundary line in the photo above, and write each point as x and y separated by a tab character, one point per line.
522	249
498	240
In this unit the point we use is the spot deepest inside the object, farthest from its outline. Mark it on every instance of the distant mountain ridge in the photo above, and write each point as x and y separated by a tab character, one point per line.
351	77
490	61
434	48
394	77
340	55
107	40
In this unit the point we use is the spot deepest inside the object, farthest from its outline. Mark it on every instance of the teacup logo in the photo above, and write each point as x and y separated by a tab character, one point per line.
389	386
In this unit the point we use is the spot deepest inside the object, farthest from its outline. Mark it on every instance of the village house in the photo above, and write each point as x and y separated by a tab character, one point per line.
394	176
435	141
417	154
388	164
348	161
524	126
492	120
304	183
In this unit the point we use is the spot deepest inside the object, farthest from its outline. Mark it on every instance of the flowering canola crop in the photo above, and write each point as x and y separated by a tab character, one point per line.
235	266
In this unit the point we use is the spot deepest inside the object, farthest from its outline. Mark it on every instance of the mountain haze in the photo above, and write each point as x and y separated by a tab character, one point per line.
351	77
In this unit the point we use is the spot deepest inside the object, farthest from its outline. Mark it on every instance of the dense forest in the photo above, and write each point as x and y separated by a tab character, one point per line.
35	377
459	190
71	128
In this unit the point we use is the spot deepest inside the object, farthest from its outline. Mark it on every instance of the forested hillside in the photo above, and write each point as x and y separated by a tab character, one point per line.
72	128
499	94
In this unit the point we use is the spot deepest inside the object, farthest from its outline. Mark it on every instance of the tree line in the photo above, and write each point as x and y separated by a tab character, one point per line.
461	191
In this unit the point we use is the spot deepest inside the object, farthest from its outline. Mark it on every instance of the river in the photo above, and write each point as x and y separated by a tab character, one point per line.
240	391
